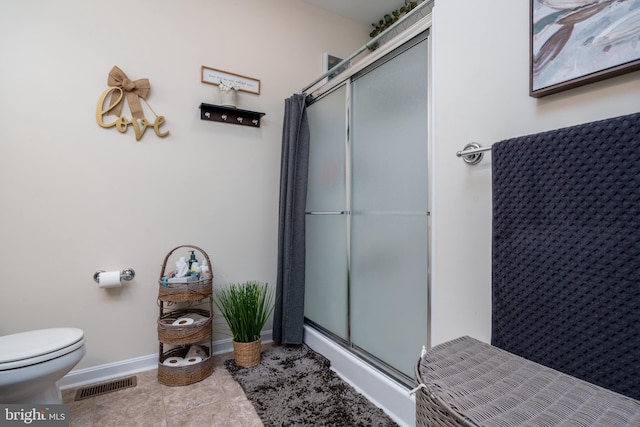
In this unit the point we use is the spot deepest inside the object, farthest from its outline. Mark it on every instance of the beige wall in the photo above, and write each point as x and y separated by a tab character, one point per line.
77	198
481	94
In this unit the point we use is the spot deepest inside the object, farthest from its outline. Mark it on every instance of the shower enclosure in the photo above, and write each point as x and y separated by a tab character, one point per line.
367	219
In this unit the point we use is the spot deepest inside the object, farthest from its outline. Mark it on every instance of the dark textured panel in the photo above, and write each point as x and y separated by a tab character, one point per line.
566	250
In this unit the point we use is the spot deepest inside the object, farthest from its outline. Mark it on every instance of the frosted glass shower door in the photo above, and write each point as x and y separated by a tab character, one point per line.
389	259
326	293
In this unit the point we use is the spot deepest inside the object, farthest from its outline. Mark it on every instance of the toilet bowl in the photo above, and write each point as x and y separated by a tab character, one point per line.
31	363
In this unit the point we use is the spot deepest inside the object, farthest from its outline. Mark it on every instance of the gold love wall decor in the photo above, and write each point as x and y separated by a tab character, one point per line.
121	88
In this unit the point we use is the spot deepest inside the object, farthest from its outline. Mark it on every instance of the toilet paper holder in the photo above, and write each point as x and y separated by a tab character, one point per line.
126	274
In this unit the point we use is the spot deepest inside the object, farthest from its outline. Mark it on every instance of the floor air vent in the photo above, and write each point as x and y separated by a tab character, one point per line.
104	388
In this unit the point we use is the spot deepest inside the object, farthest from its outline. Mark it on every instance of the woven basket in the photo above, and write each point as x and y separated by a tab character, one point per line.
247	354
430	410
465	382
184	375
183	334
178	292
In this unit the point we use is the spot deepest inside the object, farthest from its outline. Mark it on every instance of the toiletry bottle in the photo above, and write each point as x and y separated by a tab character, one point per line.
205	273
195	269
192	259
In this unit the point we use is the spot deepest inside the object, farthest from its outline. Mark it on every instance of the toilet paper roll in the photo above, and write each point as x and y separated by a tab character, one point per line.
173	361
109	279
197	318
195	351
183	321
191	360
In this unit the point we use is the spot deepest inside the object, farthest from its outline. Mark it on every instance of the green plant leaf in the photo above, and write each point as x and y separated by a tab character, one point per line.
391	18
246	307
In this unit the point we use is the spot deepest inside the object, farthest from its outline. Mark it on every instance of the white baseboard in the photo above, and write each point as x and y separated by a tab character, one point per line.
385	393
110	371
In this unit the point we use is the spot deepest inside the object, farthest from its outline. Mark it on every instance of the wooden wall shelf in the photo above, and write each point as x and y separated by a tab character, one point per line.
236	116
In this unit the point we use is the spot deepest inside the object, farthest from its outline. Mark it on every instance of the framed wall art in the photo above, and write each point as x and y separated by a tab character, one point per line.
575	42
213	76
330	62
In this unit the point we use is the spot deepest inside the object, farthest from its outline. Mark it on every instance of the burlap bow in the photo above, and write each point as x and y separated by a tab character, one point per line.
132	89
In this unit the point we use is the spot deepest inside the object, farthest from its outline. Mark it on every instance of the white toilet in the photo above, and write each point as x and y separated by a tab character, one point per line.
31	363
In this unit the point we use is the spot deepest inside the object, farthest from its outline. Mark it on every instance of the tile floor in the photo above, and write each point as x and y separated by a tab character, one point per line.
215	401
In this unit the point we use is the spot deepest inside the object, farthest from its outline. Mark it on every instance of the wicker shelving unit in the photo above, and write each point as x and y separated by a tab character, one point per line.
177	300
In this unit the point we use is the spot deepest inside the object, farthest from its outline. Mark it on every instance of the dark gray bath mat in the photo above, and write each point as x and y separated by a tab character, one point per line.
294	386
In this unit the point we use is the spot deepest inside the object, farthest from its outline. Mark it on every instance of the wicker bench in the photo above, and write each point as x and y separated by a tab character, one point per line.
466	383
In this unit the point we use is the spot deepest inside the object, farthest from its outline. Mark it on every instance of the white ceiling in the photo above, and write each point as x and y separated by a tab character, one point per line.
364	11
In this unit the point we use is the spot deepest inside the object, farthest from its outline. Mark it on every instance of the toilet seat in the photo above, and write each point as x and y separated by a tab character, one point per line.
28	348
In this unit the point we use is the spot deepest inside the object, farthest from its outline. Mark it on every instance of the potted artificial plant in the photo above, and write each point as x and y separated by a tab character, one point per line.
246	307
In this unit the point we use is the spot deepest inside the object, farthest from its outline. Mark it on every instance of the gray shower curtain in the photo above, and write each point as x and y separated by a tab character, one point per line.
288	317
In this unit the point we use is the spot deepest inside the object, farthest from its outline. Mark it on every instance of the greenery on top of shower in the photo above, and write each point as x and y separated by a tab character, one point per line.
391	18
